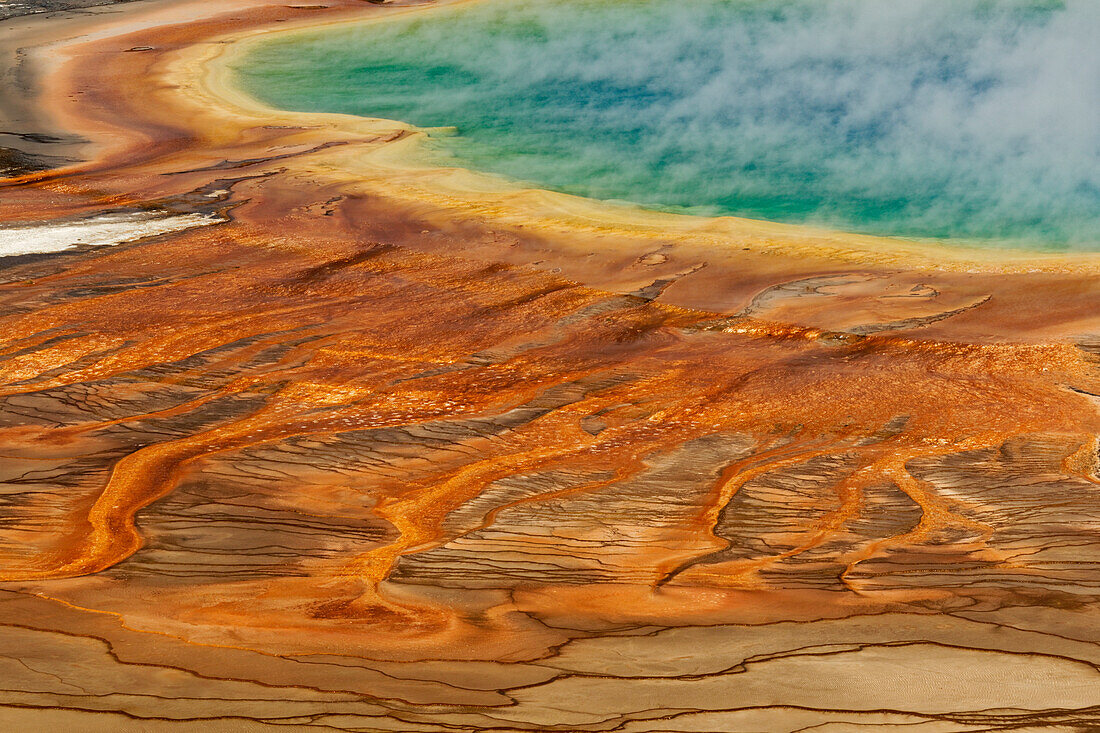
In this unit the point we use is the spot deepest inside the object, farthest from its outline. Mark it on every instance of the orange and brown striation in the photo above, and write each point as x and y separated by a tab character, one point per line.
364	457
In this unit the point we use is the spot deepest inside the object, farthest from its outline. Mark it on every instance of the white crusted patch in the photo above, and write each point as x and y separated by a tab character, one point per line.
100	231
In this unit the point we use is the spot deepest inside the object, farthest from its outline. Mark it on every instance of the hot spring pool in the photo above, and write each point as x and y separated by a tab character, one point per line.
974	120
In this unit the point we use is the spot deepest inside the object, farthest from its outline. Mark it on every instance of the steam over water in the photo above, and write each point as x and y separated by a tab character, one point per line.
969	119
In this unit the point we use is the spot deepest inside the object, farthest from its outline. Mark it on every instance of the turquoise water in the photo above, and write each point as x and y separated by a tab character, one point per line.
963	119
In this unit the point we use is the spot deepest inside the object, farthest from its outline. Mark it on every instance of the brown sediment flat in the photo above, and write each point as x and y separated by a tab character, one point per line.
405	449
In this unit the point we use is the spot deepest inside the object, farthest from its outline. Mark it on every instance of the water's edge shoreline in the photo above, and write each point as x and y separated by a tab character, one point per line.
219	81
